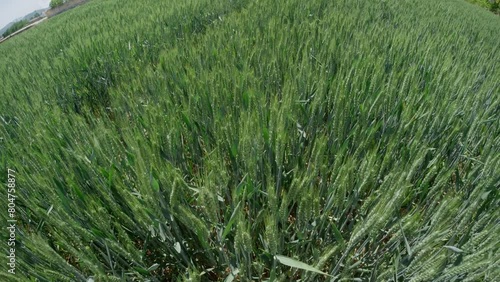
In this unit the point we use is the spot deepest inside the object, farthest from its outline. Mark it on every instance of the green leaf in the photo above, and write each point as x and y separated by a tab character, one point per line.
155	184
246	99
485	195
154	267
298	264
265	134
230	223
186	120
407	245
177	247
50	209
130	158
162	234
338	235
234	150
455	249
141	270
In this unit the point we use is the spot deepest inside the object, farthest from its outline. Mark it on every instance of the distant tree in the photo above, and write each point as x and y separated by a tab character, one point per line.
36	15
56	3
15	27
492	5
495	6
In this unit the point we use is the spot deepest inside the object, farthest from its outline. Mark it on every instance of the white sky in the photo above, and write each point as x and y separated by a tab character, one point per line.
14	9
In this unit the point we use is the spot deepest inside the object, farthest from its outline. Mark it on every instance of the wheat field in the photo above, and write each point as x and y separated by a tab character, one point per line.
254	140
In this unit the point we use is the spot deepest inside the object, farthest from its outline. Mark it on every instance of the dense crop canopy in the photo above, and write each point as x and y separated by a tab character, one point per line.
255	140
